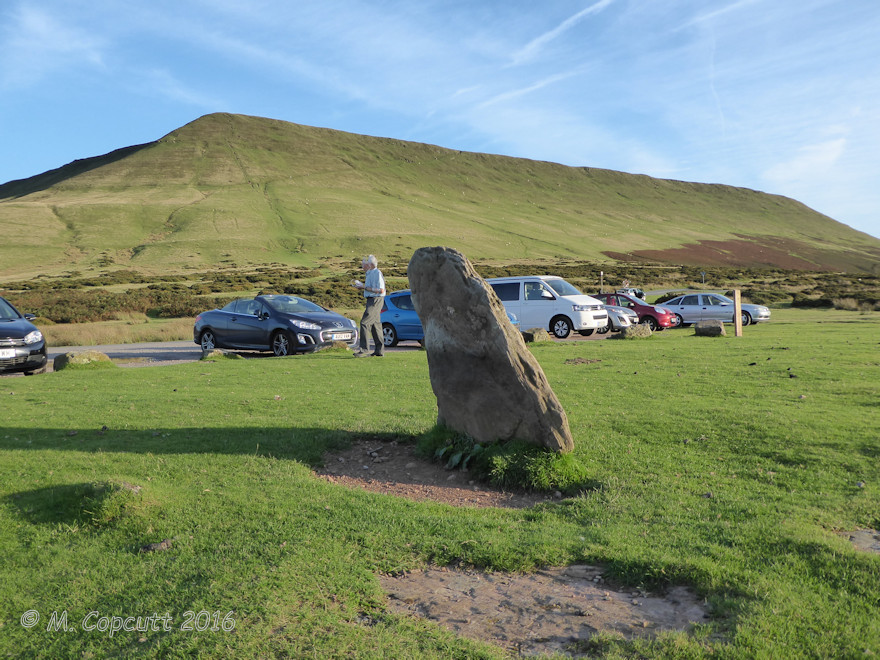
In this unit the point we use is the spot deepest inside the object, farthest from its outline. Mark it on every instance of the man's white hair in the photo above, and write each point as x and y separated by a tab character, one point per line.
370	260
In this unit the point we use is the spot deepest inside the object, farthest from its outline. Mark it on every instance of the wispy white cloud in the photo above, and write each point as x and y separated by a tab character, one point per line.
162	84
531	49
712	15
534	87
811	162
34	43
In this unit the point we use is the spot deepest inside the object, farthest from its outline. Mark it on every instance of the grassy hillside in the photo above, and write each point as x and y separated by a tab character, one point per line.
247	190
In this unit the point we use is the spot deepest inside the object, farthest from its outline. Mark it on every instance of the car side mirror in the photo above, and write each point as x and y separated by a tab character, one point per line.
546	295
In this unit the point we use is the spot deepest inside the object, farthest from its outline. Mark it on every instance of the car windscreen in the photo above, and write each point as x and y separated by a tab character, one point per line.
562	287
7	311
292	305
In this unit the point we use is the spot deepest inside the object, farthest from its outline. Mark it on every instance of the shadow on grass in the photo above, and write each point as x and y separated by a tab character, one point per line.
306	445
512	466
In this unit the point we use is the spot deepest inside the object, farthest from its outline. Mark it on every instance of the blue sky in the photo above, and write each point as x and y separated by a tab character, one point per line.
781	96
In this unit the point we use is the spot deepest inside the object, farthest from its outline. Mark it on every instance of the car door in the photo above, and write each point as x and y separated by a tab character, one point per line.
405	319
714	308
537	305
246	326
689	308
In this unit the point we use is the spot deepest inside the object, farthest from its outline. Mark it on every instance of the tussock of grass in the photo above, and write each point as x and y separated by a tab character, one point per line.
511	465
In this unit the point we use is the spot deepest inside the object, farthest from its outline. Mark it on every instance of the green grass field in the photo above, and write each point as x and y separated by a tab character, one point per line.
707	463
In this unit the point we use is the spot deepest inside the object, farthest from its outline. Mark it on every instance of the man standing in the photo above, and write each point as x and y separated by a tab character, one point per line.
371	322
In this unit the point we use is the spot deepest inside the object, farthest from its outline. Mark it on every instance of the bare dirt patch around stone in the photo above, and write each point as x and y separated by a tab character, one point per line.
550	611
394	469
555	610
866	540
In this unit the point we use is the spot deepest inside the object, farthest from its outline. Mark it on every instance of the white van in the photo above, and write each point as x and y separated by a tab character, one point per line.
547	301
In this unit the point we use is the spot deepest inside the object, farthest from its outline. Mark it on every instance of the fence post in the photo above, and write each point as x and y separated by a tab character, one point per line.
737	314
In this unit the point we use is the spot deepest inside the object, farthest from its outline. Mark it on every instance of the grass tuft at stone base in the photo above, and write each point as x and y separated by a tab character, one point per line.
510	465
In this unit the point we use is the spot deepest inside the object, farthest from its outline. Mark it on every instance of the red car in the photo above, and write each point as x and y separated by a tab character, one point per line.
654	316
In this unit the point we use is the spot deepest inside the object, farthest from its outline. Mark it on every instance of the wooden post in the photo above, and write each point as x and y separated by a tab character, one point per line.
737	314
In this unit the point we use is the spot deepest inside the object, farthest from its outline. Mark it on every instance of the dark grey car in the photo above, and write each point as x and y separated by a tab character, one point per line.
22	346
278	323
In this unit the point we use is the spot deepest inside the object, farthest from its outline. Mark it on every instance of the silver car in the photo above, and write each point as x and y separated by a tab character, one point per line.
693	307
619	318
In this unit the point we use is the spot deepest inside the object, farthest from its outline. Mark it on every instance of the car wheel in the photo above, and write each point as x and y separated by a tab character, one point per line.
281	344
389	335
560	326
651	322
679	322
208	341
589	331
746	319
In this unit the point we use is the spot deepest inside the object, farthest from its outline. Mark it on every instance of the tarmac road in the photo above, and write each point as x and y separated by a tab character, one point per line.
155	353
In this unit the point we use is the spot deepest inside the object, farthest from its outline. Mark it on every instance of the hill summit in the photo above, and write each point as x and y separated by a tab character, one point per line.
250	190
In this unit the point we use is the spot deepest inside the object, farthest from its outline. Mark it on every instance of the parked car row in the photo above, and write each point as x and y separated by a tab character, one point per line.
542	301
287	324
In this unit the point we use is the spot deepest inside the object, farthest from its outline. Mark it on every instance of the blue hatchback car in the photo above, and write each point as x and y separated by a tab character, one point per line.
401	323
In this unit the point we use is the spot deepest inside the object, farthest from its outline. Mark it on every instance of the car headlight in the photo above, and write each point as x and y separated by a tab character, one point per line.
33	337
585	308
304	325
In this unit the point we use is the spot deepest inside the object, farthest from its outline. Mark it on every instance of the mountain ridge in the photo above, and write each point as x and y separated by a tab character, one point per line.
251	190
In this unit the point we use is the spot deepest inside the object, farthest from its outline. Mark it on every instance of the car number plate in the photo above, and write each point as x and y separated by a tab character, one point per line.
338	336
7	353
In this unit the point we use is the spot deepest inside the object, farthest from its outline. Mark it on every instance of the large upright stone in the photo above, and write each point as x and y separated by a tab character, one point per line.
487	383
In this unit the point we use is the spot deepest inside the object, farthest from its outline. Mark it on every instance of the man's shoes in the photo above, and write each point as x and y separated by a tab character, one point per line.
360	354
377	354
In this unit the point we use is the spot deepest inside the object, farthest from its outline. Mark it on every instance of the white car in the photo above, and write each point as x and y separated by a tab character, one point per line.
547	301
694	307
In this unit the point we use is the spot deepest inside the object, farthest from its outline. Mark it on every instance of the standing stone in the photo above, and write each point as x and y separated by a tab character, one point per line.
487	383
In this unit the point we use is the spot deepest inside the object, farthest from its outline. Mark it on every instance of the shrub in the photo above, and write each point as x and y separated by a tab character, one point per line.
848	304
